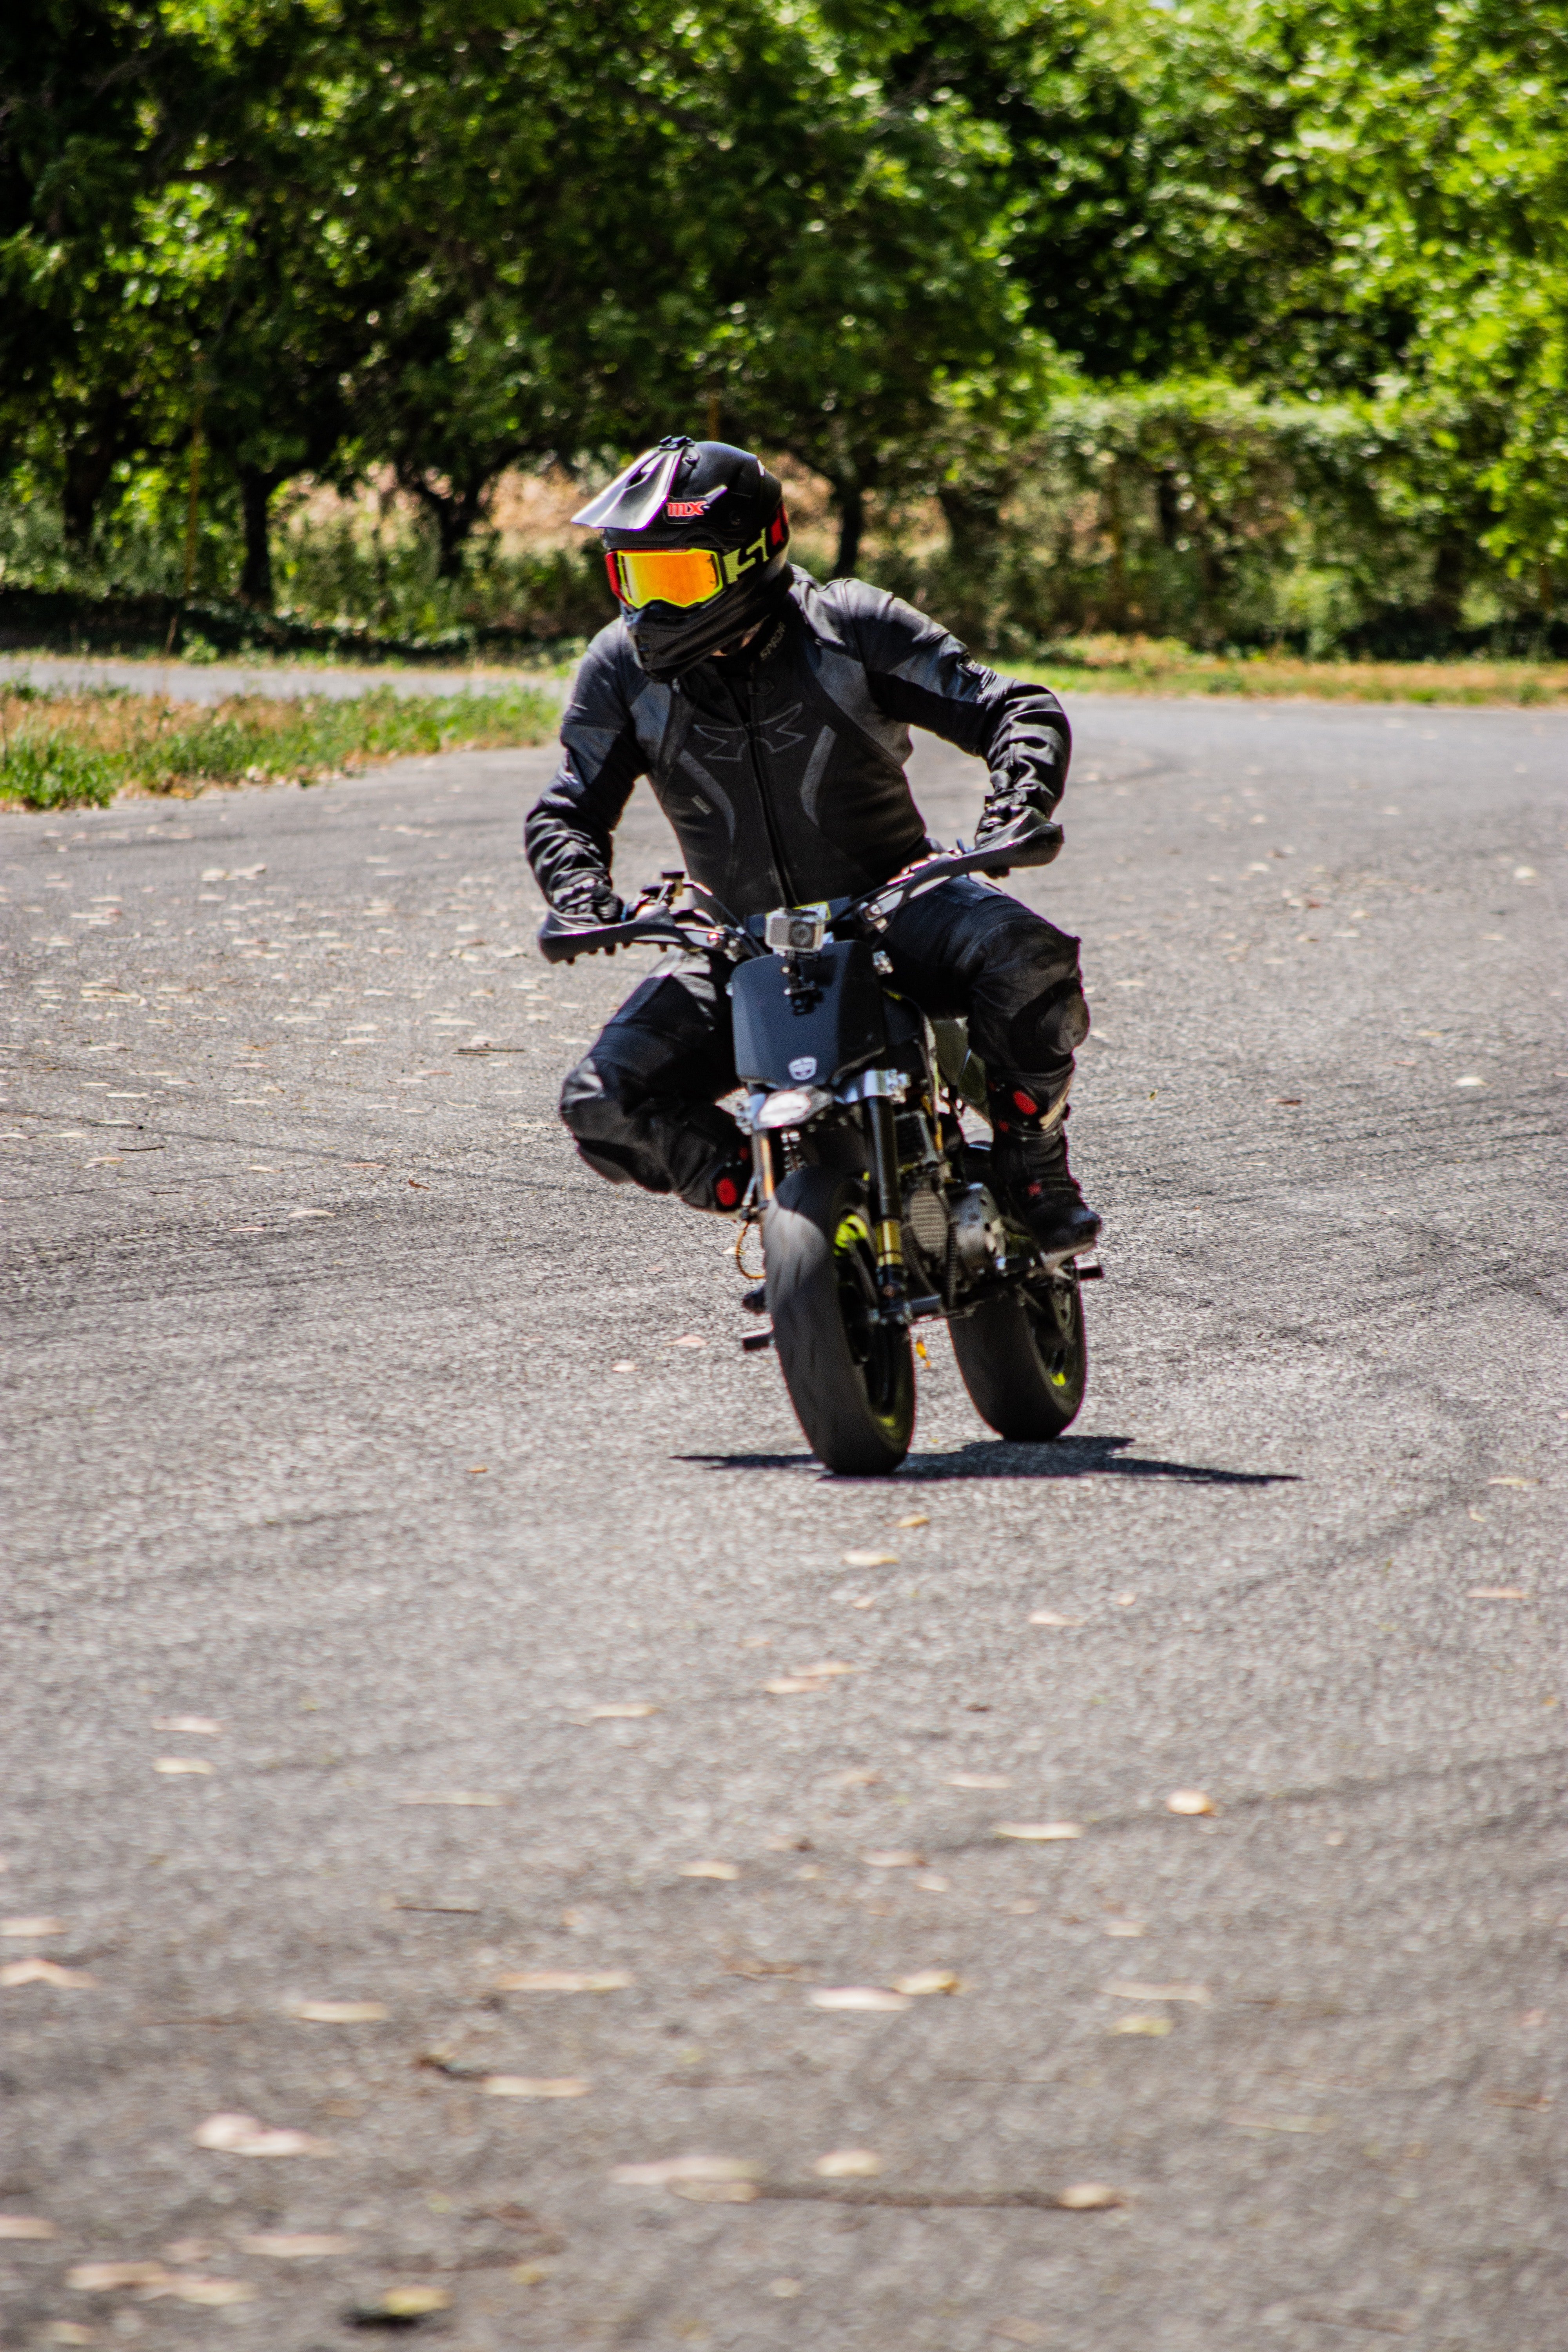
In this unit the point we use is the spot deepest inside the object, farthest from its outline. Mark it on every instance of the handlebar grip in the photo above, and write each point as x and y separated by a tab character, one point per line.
1031	841
561	937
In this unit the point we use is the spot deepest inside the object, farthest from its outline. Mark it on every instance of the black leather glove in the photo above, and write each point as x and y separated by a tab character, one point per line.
590	897
1009	800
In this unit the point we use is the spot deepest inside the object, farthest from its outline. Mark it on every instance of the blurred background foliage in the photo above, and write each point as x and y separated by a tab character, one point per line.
1244	323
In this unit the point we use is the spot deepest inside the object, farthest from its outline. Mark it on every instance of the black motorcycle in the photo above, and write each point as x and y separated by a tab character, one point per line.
874	1208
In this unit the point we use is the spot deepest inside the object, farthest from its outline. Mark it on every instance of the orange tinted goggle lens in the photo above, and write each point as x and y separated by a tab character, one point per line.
682	576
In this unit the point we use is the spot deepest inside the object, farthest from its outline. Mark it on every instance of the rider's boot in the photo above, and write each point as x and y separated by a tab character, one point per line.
722	1186
1029	1171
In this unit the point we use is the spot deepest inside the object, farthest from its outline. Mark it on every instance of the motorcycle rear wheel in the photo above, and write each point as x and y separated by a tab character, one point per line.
851	1378
1025	1364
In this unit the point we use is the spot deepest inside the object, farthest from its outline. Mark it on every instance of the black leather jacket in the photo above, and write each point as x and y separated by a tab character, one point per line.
782	770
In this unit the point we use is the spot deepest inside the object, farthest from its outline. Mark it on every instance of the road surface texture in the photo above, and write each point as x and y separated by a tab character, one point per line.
414	1586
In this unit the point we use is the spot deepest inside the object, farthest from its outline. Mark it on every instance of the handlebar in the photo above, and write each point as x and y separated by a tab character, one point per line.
1031	841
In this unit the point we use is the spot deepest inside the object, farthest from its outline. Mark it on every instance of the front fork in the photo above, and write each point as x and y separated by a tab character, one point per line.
887	1204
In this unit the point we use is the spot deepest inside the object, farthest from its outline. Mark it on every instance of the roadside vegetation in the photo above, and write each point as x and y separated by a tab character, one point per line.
1113	665
1243	323
67	750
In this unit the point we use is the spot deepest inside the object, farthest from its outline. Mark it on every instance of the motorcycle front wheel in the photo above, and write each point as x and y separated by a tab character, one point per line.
1024	1363
850	1378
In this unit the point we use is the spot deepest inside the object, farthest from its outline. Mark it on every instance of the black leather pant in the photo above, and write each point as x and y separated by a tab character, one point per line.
643	1104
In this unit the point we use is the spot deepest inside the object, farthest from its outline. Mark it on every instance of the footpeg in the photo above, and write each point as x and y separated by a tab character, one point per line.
755	1302
754	1342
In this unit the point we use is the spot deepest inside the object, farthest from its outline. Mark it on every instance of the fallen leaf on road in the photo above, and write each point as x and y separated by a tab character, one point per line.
979	1780
825	1669
1089	2197
16	2227
1189	1800
202	1724
785	2290
28	1928
1281	2123
479	1469
174	1766
563	1980
214	2293
49	1972
414	2302
707	1870
934	1882
1497	1592
296	2246
1513	1482
1125	1927
112	2278
794	1685
451	1797
534	2086
871	1558
1152	2026
716	2192
692	1340
668	2169
928	1981
630	1710
236	2134
336	2013
1038	1832
893	1861
848	2164
1049	1617
1470	1082
860	1997
1198	1994
914	1519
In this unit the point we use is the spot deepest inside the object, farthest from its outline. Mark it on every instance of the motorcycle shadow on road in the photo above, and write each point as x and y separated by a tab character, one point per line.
1064	1457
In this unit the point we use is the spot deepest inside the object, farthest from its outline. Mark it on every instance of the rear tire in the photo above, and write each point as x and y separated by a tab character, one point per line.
850	1379
1026	1364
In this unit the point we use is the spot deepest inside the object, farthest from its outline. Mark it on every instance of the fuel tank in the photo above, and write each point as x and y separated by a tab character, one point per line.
807	1020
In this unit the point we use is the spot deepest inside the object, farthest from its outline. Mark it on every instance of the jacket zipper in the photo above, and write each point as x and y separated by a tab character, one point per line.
775	847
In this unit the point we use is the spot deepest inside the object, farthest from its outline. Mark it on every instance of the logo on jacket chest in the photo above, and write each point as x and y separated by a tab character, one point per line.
777	733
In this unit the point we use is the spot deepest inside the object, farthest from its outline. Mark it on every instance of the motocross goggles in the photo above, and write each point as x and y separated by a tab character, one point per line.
686	576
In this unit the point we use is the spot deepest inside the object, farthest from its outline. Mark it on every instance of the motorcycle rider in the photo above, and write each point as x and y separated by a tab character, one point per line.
772	718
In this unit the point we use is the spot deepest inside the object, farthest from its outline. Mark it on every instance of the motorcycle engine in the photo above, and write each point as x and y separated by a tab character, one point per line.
925	1216
978	1232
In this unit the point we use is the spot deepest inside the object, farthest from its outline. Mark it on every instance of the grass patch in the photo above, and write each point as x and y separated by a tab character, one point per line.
1107	665
70	750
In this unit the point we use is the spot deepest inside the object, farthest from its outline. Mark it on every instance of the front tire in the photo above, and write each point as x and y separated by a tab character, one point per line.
851	1378
1024	1361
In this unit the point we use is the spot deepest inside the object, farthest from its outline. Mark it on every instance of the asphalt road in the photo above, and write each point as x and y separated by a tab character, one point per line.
348	1418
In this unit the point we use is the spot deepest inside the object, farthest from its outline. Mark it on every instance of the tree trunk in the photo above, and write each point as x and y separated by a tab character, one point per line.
256	489
1451	577
89	465
851	528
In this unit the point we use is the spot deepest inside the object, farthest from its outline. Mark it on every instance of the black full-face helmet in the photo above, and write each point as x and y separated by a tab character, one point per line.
697	548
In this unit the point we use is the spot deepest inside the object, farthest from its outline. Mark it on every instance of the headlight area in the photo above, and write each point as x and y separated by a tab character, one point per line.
790	1106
